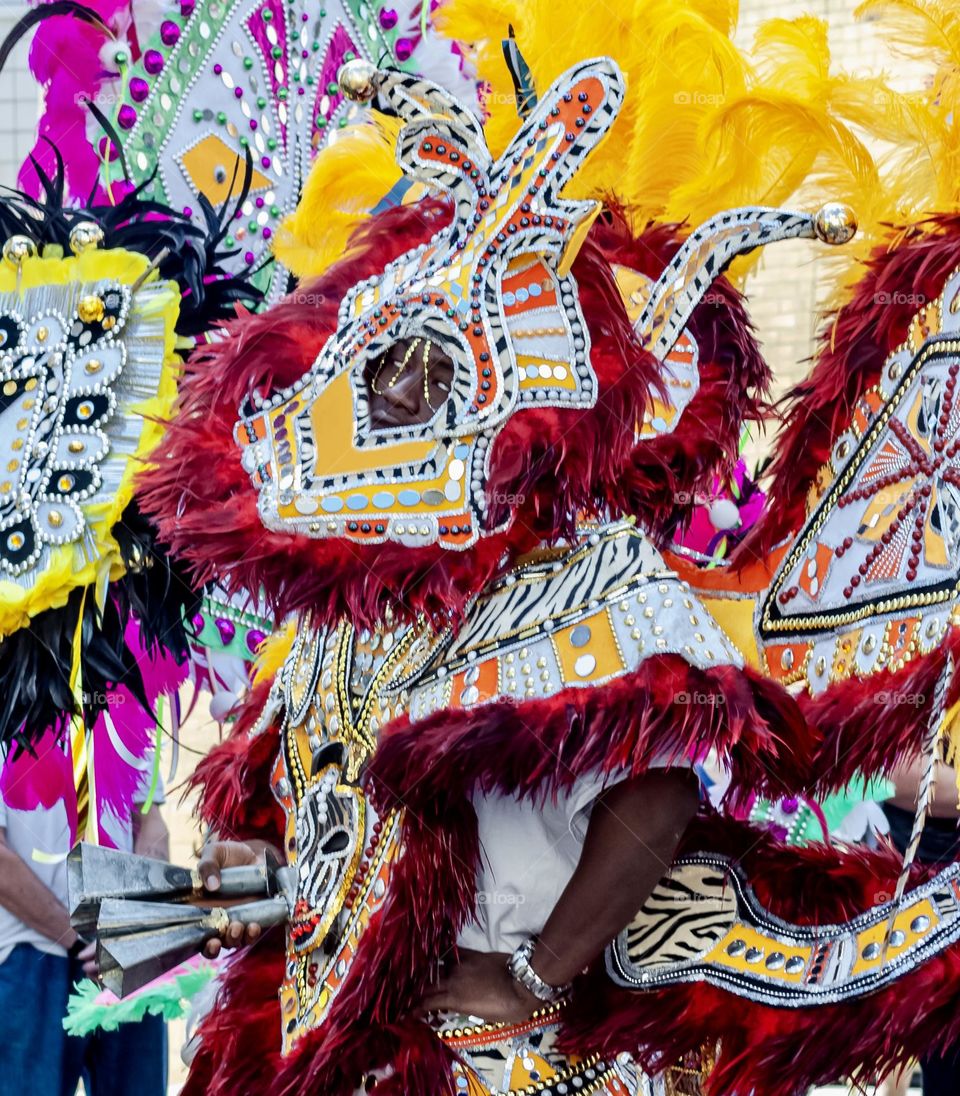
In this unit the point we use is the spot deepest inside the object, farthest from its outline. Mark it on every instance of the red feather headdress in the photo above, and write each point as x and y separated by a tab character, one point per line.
555	463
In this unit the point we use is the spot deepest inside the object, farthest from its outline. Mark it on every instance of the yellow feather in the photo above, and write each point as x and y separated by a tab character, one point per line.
922	168
678	59
273	652
800	152
919	28
348	178
911	134
723	16
705	126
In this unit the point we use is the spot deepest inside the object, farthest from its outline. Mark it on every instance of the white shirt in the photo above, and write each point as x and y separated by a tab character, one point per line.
528	854
46	832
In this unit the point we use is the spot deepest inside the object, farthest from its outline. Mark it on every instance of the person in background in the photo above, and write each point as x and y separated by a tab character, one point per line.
41	957
939	845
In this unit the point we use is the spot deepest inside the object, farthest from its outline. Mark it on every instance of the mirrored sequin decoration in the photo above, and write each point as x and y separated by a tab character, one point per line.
511	1059
492	291
76	358
225	77
871	579
342	852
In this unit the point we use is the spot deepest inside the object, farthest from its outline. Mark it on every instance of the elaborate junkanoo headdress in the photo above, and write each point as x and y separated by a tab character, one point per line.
554	325
492	290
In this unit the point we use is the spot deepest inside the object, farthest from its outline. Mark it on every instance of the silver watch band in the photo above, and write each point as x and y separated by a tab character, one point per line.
520	970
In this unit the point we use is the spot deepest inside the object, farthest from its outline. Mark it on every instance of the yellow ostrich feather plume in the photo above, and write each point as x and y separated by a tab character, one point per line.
802	151
705	126
893	155
767	143
678	59
680	63
348	178
922	128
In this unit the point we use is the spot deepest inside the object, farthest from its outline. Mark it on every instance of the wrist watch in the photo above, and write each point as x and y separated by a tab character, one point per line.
520	970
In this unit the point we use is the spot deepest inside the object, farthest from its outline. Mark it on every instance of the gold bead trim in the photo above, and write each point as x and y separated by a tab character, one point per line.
539	332
540	1018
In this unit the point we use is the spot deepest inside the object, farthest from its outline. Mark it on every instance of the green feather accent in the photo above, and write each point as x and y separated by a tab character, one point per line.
170	999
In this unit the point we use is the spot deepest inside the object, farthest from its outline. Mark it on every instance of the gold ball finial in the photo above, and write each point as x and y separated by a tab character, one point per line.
85	236
91	308
18	248
358	80
835	223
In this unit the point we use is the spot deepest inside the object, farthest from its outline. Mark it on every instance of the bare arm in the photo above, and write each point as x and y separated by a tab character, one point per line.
634	831
29	900
150	834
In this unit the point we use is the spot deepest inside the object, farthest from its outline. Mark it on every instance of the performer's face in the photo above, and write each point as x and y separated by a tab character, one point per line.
408	384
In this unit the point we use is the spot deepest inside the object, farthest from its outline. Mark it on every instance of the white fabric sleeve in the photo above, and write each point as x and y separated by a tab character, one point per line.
586	789
582	796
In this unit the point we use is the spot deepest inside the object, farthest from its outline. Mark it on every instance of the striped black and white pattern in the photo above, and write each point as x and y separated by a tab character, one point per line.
704	256
590	574
688	912
640	957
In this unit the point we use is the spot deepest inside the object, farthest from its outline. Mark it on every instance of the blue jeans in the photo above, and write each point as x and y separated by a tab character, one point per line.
38	1058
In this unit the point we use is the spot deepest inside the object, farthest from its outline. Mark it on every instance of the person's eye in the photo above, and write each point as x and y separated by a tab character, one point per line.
444	386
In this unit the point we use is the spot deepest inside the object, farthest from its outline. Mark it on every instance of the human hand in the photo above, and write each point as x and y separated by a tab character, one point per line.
229	854
88	956
235	934
480	985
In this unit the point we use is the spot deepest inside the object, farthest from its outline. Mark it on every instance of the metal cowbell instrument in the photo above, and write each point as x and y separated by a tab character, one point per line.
148	916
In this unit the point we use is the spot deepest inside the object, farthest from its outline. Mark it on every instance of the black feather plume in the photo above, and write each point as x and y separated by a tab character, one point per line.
35	662
195	255
524	89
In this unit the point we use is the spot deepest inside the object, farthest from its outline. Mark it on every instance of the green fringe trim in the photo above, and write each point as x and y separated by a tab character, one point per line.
171	1000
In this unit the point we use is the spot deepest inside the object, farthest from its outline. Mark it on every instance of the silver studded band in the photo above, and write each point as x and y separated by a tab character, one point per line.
520	970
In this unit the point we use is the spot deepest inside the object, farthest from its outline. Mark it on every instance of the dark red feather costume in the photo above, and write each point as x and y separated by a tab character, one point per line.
560	463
